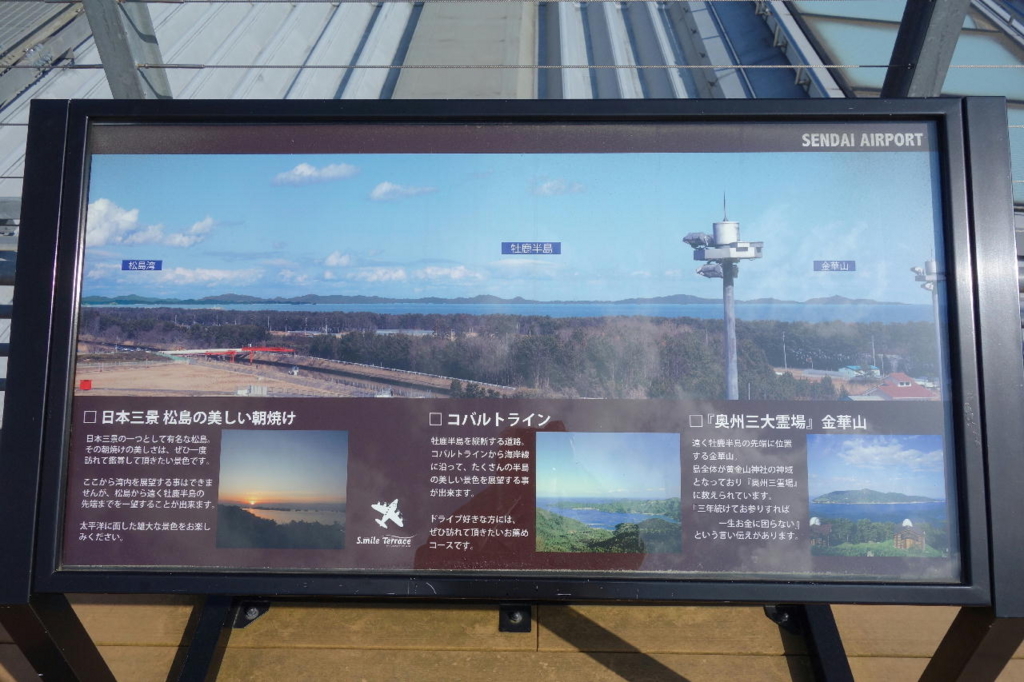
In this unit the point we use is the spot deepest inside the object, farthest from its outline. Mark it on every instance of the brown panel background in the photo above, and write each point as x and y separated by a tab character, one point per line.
139	636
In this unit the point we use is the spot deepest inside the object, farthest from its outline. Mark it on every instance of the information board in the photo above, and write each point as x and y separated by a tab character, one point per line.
488	348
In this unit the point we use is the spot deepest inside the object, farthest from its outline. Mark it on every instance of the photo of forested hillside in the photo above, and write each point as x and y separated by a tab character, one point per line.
608	492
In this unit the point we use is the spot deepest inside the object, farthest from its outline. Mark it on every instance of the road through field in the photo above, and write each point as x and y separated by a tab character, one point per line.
201	379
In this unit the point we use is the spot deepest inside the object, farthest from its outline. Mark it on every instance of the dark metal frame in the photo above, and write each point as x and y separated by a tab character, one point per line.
988	378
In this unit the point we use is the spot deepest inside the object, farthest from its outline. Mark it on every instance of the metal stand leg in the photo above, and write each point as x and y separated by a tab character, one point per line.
53	640
976	648
206	636
817	626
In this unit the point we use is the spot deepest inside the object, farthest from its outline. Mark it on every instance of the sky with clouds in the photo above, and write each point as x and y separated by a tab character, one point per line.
414	225
615	465
912	465
252	469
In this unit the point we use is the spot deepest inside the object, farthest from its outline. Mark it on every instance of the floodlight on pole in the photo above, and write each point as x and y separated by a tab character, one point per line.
721	252
930	277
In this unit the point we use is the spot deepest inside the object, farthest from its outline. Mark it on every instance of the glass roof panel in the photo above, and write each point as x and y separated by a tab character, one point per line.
847	42
986	49
872	10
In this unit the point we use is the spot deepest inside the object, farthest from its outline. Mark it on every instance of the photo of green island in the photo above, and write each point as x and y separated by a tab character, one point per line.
282	489
608	492
877	496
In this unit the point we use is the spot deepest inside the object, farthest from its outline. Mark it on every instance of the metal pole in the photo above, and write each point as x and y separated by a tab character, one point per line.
125	38
732	385
938	338
924	47
932	268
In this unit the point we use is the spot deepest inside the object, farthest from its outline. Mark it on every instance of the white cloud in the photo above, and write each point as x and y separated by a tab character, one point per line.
278	262
108	223
640	273
208	276
328	274
150	234
458	272
557	187
102	270
337	259
292	277
379	274
192	235
305	174
389	191
885	452
525	268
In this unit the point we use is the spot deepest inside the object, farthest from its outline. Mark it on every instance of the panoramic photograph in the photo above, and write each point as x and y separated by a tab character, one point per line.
880	496
608	492
500	275
282	489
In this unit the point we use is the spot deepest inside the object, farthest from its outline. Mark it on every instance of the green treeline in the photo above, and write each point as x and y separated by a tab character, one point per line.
907	347
161	328
669	507
557	533
238	528
849	533
595	357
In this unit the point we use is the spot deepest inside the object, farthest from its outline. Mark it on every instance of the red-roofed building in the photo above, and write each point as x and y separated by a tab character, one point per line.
898	386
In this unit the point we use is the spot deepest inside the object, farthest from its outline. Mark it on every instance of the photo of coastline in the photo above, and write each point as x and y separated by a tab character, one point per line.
498	275
882	496
282	489
608	492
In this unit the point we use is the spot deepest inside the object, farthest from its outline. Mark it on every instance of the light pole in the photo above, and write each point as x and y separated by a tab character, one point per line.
930	277
722	252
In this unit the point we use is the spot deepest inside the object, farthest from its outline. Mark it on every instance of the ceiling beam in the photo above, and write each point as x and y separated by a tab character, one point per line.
125	38
924	47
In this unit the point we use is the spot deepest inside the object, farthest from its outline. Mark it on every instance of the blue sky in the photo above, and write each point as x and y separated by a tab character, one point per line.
912	465
432	225
616	465
283	466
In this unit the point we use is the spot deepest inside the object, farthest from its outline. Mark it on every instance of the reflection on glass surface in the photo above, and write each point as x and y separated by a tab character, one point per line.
530	355
856	43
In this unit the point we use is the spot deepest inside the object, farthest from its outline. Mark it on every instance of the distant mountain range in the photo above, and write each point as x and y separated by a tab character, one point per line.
868	496
483	299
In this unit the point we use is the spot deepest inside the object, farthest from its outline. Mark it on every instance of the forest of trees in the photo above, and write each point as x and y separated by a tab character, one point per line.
850	537
596	357
557	533
669	507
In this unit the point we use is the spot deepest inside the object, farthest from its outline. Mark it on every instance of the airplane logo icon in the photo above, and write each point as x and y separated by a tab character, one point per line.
390	513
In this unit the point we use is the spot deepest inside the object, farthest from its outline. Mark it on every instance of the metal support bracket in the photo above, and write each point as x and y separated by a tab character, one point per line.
816	625
204	640
514	618
783	617
249	611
